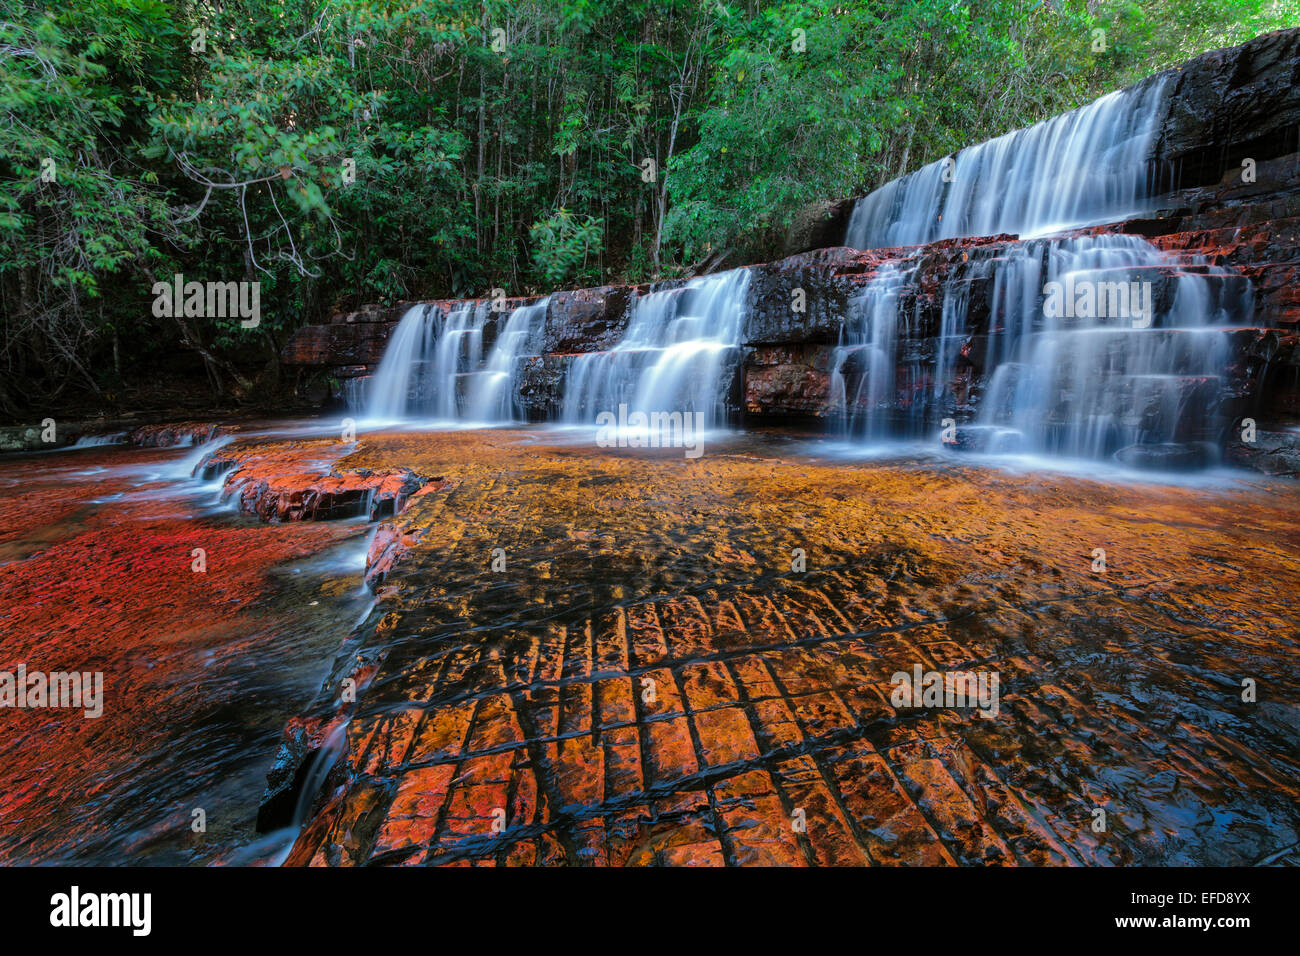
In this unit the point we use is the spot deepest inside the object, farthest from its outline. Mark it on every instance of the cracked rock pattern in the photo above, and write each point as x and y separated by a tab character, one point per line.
641	676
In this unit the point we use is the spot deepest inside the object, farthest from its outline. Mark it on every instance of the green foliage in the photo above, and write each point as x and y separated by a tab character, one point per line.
798	108
76	207
563	245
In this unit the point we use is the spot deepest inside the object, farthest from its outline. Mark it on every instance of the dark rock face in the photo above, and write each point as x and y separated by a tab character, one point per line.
1229	105
1274	453
818	225
800	299
586	320
787	380
339	343
540	381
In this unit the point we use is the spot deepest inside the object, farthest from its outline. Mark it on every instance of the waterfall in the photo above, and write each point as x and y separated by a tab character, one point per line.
420	374
679	353
867	356
434	366
1090	385
1087	166
387	394
458	351
492	394
1093	344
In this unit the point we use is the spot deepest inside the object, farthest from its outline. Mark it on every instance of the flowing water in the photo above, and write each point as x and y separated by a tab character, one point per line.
420	374
434	368
1089	386
213	631
1095	344
661	569
679	354
387	393
866	360
203	661
1112	373
1087	166
769	678
1080	384
1048	376
492	389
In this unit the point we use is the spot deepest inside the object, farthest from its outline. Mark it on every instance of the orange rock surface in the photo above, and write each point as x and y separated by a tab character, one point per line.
592	657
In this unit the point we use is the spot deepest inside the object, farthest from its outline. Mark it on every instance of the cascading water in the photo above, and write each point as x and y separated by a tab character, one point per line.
884	383
675	356
1088	385
492	393
867	355
387	394
1087	166
1094	344
1021	376
458	351
434	366
1045	373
